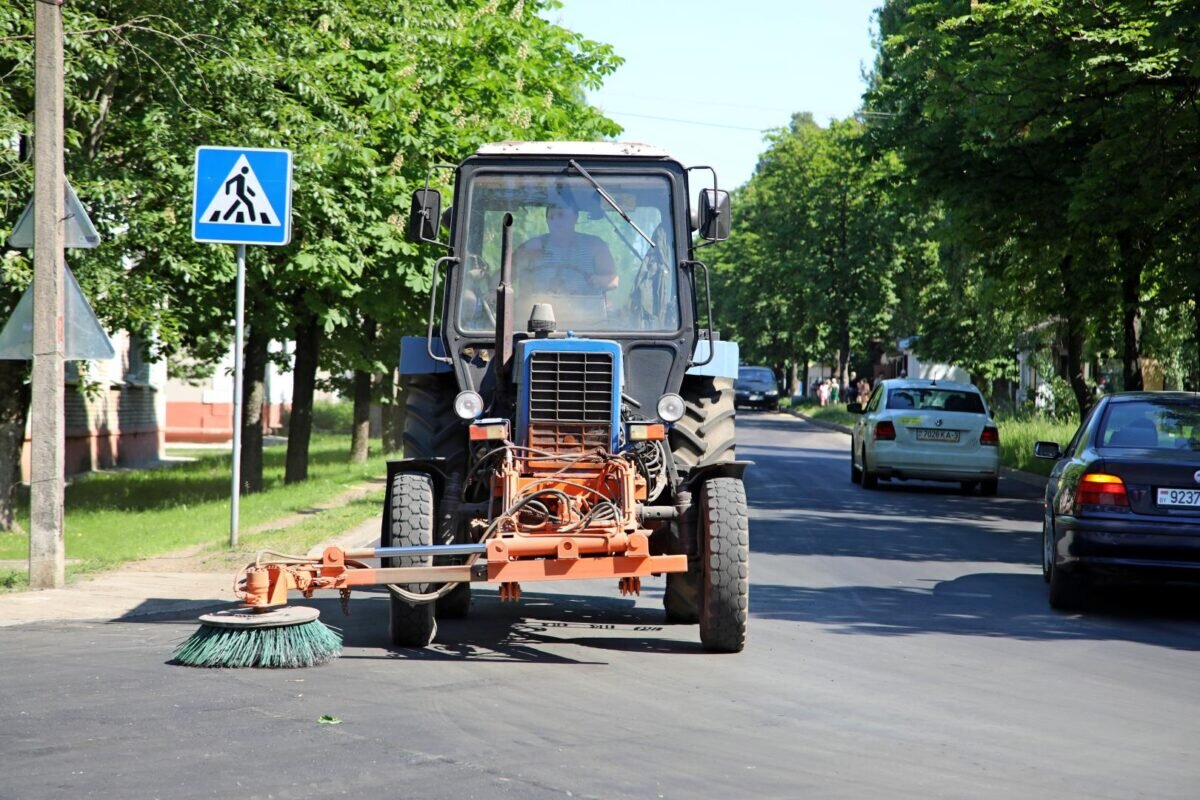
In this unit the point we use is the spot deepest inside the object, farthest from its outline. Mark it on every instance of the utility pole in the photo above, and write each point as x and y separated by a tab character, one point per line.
46	548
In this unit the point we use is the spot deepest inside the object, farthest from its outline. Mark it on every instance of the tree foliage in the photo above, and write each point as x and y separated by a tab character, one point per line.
367	96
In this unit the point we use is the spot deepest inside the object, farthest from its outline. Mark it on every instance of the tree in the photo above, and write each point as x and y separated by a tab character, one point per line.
366	97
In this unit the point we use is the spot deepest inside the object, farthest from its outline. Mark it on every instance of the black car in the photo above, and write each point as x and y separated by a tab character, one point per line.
756	388
1124	497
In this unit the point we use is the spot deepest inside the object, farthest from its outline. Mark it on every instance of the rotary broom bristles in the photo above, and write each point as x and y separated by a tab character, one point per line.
285	638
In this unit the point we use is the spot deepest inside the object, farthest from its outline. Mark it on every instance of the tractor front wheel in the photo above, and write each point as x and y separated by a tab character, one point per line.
410	517
725	584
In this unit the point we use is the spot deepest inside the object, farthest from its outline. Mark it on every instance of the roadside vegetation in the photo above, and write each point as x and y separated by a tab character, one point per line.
367	97
116	517
1017	188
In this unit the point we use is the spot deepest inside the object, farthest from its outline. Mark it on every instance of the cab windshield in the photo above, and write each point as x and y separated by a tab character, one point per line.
574	251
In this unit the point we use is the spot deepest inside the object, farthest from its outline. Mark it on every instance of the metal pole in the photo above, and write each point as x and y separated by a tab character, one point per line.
237	395
46	548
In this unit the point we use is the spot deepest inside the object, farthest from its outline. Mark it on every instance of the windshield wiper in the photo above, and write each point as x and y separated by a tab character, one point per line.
608	199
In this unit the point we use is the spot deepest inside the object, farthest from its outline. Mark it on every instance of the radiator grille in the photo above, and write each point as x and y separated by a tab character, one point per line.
570	401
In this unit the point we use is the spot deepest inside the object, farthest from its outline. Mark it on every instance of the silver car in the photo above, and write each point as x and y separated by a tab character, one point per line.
926	430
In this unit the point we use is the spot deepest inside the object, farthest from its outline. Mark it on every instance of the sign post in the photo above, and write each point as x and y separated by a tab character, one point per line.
241	196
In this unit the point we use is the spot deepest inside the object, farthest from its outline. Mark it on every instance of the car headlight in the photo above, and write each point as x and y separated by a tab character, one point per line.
670	407
468	405
772	392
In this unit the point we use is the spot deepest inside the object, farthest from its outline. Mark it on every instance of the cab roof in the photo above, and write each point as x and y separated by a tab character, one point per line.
561	149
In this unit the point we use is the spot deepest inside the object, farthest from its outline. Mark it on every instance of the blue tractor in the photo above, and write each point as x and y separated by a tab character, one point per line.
569	416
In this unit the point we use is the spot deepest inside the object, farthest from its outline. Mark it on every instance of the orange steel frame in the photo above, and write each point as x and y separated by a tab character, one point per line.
521	548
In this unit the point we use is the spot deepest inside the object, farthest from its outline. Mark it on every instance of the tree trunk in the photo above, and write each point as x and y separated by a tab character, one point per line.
793	379
1075	338
360	435
1133	259
14	410
392	413
304	379
254	396
843	354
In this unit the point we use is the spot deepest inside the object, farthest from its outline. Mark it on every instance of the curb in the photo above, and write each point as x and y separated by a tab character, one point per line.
833	426
1018	475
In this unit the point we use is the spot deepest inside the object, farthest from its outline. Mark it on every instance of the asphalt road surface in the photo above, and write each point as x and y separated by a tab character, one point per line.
900	645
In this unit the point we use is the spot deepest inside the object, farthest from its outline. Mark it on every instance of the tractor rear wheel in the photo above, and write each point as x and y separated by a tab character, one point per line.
725	595
704	436
433	430
410	523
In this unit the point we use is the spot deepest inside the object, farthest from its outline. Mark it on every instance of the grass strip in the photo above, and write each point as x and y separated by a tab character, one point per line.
115	517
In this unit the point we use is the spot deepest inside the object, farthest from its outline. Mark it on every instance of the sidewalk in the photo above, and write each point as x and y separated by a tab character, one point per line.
135	591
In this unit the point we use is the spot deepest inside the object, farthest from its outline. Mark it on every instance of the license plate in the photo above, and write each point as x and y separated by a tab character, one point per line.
756	397
935	435
1183	498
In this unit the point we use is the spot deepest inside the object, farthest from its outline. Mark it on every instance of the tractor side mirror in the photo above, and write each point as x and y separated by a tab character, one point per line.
424	216
715	218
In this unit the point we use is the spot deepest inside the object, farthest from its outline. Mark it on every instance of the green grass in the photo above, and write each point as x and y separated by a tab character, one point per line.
1017	436
115	517
835	413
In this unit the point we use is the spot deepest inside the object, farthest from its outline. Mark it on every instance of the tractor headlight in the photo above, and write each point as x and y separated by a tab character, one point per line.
468	405
670	408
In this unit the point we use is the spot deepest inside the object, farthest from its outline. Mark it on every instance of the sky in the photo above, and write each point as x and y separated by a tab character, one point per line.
705	78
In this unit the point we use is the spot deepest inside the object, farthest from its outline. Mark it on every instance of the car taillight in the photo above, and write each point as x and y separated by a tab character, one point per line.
885	431
1098	489
990	436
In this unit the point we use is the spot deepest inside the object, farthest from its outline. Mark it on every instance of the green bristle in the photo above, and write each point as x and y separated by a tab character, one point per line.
304	645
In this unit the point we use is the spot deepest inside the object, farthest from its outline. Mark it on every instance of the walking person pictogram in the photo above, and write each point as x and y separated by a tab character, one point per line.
243	194
240	199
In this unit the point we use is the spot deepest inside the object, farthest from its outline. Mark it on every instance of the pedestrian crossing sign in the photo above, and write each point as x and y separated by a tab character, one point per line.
242	195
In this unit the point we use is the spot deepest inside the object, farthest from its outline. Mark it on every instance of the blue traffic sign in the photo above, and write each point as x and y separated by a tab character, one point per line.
242	195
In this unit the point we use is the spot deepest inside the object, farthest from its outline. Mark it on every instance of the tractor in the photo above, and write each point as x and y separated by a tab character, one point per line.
570	410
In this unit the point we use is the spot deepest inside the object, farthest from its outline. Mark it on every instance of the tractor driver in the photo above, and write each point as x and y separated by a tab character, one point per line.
564	261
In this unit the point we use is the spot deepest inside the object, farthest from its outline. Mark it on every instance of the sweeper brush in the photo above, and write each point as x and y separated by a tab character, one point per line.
292	636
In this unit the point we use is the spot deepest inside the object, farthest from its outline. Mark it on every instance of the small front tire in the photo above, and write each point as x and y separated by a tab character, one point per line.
725	588
989	488
411	510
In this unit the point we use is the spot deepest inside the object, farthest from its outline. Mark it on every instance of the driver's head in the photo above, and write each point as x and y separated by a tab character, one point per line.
560	219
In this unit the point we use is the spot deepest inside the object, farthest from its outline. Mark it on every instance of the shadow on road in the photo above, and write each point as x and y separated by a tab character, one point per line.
522	631
985	536
989	604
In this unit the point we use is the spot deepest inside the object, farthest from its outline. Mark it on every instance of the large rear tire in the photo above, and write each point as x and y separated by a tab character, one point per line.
433	430
725	597
705	435
411	522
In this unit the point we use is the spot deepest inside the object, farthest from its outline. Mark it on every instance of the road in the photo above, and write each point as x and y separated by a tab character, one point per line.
900	645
